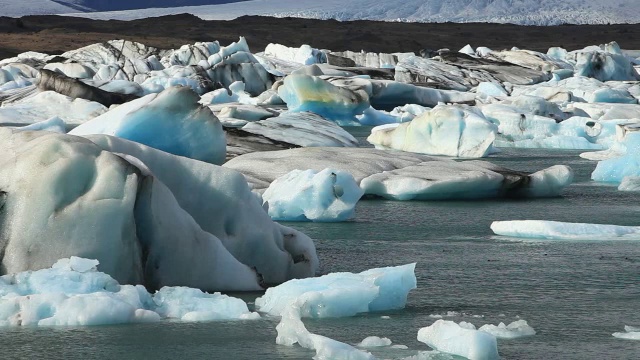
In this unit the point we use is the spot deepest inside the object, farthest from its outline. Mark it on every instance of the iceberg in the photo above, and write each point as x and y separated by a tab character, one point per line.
74	293
460	339
334	295
304	129
516	329
310	93
305	54
446	130
133	208
171	121
615	169
328	195
374	341
630	333
405	176
540	229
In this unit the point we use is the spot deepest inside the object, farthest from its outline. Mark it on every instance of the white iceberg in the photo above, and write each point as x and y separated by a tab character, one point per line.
303	195
516	329
445	130
374	341
540	229
630	333
460	339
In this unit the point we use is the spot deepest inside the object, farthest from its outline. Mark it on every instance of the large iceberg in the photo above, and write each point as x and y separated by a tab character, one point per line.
406	176
149	217
74	293
446	130
460	339
540	229
171	121
302	195
335	295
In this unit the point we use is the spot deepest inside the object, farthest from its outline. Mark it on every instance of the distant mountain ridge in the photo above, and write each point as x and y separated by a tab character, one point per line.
524	12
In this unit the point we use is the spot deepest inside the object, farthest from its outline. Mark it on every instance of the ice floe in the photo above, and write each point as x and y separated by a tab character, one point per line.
540	229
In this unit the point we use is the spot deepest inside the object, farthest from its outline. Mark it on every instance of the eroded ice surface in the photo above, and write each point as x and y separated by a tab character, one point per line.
406	176
540	229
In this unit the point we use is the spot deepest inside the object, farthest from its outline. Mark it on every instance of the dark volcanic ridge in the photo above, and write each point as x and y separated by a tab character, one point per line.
56	34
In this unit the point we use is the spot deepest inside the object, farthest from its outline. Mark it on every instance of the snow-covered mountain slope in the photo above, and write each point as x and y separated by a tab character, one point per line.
530	12
16	8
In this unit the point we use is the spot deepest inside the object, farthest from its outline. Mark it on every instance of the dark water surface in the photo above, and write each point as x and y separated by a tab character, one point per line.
575	294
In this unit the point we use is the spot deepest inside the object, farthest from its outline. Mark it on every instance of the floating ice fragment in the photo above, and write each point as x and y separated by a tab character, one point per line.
374	341
460	339
540	229
516	329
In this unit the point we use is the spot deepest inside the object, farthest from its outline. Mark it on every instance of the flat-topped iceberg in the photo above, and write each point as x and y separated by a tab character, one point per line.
630	333
406	176
446	130
74	293
540	229
303	195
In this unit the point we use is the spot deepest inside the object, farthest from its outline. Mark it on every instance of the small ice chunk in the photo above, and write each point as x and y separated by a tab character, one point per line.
374	341
630	183
460	339
78	264
514	330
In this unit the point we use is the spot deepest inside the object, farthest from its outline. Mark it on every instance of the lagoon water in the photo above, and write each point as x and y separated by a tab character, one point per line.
575	294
